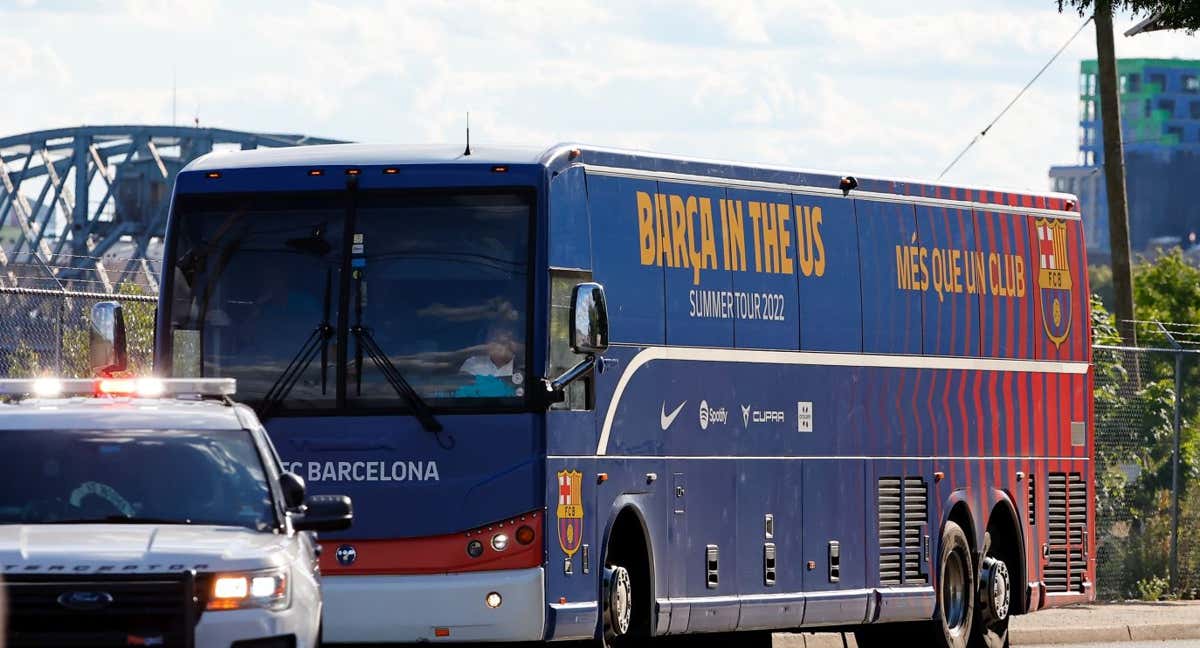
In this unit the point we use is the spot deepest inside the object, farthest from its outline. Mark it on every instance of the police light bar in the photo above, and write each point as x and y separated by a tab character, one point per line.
130	387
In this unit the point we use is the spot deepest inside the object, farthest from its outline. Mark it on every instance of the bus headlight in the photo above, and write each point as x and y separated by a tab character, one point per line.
258	589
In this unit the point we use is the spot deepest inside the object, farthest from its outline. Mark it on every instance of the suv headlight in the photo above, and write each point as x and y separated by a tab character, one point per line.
269	589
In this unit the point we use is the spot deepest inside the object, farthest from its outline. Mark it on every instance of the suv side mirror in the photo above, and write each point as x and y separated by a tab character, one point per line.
325	513
589	319
292	486
106	343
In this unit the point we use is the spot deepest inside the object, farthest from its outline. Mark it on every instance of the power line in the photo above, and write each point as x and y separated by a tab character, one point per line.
985	130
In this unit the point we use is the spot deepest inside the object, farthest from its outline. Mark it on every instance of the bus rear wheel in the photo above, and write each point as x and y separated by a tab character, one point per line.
955	611
956	590
990	626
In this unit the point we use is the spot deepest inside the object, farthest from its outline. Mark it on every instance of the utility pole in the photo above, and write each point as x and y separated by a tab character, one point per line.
1114	172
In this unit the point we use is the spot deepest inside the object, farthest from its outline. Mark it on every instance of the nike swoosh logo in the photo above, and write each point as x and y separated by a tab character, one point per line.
664	419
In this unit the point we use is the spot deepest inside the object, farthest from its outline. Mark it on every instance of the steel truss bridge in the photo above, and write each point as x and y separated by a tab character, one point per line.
86	206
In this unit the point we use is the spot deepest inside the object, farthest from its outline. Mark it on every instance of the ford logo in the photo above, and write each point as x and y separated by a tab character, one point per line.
346	554
85	600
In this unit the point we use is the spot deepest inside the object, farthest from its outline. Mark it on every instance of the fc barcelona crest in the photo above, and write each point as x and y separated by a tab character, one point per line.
570	511
1054	279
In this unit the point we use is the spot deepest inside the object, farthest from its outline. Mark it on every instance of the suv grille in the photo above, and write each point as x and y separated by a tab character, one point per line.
102	610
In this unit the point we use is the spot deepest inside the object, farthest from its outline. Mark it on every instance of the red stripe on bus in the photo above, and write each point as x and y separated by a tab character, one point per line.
439	554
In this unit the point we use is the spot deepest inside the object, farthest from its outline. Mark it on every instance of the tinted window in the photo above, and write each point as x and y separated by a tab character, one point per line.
439	285
436	283
251	274
208	477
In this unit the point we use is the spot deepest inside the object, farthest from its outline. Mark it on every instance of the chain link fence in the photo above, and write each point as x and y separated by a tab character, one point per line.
1147	451
45	321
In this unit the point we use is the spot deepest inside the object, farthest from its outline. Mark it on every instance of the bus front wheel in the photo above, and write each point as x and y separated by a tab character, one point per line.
618	603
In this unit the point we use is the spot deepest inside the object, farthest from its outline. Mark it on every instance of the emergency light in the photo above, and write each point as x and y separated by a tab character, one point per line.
126	387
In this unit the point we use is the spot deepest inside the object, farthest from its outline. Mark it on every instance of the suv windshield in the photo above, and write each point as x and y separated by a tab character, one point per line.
432	283
165	476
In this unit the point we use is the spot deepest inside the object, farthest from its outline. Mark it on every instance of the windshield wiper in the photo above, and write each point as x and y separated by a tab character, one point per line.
318	340
366	342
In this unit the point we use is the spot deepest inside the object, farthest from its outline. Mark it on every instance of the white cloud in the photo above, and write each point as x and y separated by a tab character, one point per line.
868	87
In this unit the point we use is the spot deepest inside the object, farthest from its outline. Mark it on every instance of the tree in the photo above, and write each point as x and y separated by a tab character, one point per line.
139	336
1114	162
23	361
1173	14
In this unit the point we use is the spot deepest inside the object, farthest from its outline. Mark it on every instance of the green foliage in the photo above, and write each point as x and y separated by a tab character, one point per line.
139	329
1134	410
23	361
1167	289
1152	588
1180	14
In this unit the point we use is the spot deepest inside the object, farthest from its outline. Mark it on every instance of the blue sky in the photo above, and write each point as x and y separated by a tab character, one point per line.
862	86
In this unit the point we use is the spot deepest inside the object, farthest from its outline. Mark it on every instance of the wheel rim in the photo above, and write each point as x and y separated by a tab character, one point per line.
618	602
997	587
954	592
621	602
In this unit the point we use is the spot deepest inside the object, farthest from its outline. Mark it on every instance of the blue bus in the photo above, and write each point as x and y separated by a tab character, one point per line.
591	394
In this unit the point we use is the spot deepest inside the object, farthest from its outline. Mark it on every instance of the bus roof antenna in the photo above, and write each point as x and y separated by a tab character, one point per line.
468	150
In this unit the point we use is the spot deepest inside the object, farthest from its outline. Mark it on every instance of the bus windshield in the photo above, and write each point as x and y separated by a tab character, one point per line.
432	285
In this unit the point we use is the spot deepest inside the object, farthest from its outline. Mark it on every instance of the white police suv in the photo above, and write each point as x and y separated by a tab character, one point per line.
152	513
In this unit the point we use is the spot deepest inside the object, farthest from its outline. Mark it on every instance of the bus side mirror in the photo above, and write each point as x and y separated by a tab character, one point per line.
589	319
106	339
589	336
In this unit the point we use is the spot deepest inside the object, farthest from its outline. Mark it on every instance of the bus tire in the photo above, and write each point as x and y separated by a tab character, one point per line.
618	604
955	609
993	610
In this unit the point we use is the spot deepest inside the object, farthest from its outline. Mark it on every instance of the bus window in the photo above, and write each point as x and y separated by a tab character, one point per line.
828	272
894	276
957	272
562	284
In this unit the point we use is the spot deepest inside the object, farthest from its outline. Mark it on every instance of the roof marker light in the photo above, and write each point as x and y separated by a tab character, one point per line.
391	171
353	172
499	168
574	153
212	175
150	387
316	172
47	387
116	386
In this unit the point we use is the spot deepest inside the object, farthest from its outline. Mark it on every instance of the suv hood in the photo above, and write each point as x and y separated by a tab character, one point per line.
141	548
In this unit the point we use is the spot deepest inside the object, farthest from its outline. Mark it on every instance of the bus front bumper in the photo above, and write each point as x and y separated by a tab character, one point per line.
438	607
